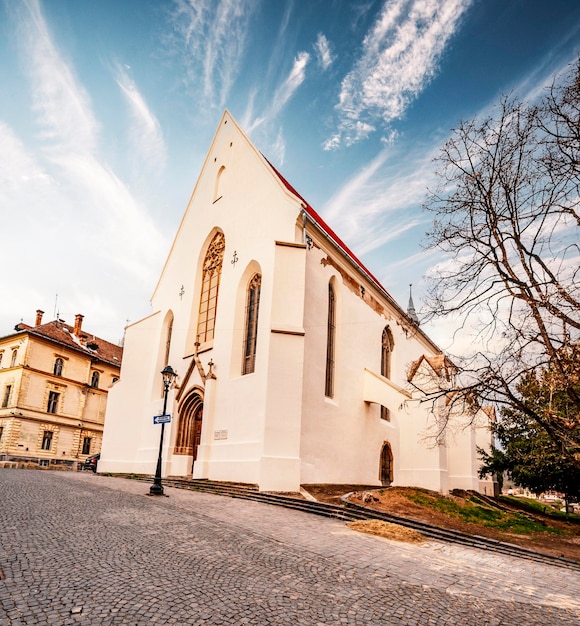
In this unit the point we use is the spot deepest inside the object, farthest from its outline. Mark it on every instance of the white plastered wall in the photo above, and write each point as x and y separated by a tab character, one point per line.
342	436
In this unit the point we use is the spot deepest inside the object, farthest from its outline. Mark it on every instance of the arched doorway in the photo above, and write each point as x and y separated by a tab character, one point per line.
386	467
190	423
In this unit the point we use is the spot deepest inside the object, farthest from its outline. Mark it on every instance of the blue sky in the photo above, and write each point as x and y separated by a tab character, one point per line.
107	109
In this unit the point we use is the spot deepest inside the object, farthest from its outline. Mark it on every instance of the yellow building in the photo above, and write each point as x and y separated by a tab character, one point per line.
54	382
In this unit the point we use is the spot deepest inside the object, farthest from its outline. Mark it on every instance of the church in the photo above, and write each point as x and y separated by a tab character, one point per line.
295	366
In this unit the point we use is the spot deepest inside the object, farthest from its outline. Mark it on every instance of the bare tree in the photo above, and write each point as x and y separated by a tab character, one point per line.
506	213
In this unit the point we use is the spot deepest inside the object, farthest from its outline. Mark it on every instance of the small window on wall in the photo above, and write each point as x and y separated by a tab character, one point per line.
251	329
14	356
1	432
52	402
86	445
95	379
58	367
47	440
1	355
6	398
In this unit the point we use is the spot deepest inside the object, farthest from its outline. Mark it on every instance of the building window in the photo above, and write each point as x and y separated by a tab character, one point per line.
1	355
219	184
1	432
330	343
387	345
58	367
168	340
386	465
52	402
115	379
47	440
95	379
86	445
251	328
14	356
212	269
6	397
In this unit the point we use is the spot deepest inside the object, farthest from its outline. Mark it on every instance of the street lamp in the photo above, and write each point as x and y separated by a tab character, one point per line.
168	378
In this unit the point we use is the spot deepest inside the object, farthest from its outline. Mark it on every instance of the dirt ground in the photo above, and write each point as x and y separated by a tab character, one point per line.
393	500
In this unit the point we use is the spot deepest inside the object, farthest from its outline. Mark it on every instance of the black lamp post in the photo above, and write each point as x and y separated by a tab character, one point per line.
168	378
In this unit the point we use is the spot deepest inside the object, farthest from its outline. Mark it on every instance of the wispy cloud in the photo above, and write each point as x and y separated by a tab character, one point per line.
400	55
146	137
213	33
83	212
284	92
63	107
323	52
265	124
382	200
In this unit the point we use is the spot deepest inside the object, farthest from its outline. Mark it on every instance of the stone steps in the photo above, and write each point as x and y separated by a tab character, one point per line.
349	511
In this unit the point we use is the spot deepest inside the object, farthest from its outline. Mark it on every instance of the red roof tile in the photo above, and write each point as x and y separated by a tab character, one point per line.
62	333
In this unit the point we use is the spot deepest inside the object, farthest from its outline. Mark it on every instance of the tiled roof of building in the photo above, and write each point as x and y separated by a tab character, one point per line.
60	332
439	363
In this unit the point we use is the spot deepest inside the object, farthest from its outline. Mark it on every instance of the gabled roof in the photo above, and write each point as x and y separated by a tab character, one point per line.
440	364
61	333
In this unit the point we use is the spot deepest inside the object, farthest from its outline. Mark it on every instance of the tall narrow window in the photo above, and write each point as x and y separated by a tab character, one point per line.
86	445
95	379
251	329
386	465
6	398
47	440
168	340
387	346
52	402
1	432
1	355
58	367
14	355
212	269
330	343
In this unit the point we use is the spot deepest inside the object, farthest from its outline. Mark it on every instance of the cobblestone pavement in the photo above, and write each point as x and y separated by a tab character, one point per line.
88	549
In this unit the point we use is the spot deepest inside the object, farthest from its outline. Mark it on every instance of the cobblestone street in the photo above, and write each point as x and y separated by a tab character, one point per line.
87	549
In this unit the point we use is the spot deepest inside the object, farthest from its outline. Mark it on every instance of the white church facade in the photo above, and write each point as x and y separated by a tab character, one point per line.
294	363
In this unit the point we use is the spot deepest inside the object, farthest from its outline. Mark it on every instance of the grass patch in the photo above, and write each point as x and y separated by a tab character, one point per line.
473	510
527	504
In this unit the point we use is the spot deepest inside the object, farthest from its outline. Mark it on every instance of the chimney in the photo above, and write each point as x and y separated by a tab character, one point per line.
39	315
78	324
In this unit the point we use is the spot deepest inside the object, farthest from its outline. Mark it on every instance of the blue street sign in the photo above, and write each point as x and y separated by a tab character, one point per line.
161	419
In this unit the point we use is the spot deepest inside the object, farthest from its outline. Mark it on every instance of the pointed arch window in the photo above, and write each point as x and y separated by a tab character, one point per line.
95	379
330	343
58	367
387	345
251	328
386	465
212	269
14	356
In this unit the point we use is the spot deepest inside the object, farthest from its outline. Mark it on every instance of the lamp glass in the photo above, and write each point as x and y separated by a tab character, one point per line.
168	375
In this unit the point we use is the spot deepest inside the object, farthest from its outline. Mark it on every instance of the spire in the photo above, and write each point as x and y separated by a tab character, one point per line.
411	308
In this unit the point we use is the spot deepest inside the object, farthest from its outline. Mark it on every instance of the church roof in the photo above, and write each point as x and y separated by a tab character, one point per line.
327	230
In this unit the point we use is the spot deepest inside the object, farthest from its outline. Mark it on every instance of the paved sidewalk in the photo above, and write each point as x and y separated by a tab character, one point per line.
92	550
